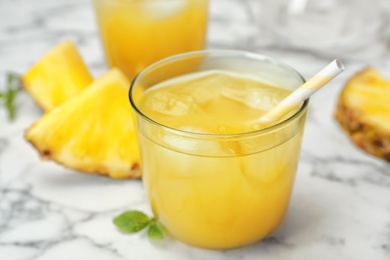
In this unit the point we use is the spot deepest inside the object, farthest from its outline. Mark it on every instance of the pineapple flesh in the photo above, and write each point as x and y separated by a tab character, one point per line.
363	111
92	132
59	75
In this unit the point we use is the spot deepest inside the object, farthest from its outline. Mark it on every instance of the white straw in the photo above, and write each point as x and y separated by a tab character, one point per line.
303	92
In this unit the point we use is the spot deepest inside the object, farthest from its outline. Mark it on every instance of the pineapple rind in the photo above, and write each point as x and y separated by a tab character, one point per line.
363	111
92	132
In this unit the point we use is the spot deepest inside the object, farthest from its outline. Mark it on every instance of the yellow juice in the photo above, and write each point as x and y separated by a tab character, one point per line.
136	33
217	183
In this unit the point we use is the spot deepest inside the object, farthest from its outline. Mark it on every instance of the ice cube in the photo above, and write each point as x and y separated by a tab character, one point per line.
258	98
202	86
162	9
177	142
168	104
190	144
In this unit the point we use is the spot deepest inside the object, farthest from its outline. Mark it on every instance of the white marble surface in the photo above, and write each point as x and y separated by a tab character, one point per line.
340	207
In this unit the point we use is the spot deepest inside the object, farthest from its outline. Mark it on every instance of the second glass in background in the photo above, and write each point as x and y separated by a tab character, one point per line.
137	33
349	29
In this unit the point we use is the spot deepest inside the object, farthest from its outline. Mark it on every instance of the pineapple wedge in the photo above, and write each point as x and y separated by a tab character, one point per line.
363	111
59	75
92	132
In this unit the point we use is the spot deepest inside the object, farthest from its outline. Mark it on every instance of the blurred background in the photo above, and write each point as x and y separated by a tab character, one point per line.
349	29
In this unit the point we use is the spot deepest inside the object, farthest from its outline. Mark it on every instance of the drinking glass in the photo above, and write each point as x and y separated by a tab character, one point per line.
137	33
219	190
349	29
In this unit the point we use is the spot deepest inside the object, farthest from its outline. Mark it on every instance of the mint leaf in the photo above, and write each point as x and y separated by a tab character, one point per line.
155	230
9	103
14	85
132	221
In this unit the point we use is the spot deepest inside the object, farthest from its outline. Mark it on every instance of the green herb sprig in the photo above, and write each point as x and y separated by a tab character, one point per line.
134	221
13	86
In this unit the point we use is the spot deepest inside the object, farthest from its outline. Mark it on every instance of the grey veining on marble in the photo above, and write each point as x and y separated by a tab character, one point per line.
340	207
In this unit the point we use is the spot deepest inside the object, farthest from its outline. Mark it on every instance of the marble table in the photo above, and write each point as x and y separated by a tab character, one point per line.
340	207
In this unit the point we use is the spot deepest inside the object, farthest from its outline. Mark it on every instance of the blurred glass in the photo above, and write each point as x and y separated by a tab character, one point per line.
137	33
342	28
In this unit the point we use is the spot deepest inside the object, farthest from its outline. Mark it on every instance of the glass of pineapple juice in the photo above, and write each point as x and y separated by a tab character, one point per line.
137	33
214	177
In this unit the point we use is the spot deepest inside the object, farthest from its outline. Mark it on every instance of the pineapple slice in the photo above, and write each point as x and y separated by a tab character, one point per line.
92	132
363	111
59	75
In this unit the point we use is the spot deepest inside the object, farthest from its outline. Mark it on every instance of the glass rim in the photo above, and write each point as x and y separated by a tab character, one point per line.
225	53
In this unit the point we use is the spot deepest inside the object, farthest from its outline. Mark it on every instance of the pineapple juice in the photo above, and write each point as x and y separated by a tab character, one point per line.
136	33
209	191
